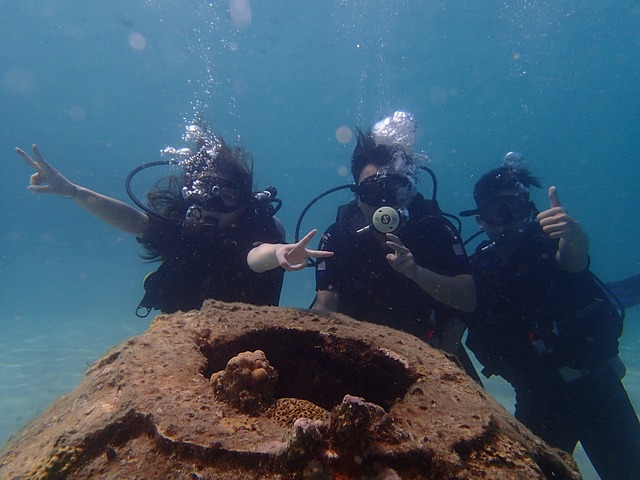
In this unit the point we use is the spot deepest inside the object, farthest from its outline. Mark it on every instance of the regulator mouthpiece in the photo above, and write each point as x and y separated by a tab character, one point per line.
385	220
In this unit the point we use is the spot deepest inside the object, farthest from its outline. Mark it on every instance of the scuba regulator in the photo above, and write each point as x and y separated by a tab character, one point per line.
382	191
386	219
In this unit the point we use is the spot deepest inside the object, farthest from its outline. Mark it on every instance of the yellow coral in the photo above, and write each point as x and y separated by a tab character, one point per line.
287	410
59	464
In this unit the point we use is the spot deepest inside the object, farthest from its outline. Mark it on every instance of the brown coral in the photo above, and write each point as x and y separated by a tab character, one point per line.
247	382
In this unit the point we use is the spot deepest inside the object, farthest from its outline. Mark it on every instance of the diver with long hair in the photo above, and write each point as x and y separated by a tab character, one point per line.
201	224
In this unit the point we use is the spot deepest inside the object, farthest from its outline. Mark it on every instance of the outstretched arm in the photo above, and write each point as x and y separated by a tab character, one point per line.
456	291
290	256
49	180
573	246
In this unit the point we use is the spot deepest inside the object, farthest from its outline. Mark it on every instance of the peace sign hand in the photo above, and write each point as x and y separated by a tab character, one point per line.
295	256
401	259
46	179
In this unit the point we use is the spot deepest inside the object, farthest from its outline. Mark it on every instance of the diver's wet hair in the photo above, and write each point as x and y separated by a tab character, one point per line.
215	158
212	157
367	151
504	178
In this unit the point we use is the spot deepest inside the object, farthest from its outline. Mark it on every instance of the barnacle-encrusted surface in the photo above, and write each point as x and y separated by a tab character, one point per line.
324	397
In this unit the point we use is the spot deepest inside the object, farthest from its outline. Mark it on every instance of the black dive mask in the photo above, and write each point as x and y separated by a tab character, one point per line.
505	210
213	194
385	189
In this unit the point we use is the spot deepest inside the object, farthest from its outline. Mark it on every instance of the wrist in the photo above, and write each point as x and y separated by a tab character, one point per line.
74	192
413	273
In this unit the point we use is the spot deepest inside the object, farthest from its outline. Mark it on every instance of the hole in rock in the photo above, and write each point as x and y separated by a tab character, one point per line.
319	368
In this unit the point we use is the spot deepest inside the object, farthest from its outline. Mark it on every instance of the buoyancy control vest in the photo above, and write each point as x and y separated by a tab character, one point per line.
213	266
371	290
534	317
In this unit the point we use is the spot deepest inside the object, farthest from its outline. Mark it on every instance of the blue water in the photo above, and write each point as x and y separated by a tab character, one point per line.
103	86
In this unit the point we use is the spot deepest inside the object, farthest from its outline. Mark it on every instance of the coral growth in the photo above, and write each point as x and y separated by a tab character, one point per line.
355	423
58	465
286	411
247	382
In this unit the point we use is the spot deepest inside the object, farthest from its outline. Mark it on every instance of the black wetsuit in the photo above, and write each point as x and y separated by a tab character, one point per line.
554	336
200	264
370	289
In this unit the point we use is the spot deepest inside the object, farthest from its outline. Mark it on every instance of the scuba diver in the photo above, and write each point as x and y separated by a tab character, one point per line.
201	224
544	323
397	260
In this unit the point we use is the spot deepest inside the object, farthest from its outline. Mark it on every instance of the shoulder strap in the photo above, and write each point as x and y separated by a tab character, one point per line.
345	218
423	207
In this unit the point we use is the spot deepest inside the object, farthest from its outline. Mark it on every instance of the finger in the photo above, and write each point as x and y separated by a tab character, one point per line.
293	265
284	263
319	253
397	248
555	227
556	231
554	235
554	215
547	217
551	214
553	197
27	159
394	238
38	188
396	241
307	238
41	161
396	261
35	179
297	267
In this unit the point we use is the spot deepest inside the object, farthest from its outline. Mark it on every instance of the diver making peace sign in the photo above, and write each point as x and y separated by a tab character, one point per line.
201	223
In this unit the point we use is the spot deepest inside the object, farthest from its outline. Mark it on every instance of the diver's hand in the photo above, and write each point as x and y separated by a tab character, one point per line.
46	179
573	244
401	259
556	222
295	256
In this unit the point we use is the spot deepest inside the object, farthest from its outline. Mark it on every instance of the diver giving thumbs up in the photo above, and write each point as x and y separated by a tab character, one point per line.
558	224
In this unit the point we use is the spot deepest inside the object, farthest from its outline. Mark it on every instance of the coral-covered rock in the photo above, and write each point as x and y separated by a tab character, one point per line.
236	391
247	382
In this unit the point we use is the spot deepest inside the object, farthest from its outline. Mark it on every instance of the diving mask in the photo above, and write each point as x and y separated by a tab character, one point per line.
214	194
505	210
386	189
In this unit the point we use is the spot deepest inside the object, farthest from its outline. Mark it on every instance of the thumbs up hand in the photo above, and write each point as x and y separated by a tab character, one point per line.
556	222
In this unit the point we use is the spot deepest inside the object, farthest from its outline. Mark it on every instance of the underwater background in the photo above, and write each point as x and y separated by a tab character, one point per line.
102	87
